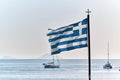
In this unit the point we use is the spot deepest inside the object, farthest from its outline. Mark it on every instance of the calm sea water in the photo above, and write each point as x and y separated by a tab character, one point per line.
72	69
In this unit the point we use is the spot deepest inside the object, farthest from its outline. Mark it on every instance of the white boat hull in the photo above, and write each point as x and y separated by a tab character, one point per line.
50	65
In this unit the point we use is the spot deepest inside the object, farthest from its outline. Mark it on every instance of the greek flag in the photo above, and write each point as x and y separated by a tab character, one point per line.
70	37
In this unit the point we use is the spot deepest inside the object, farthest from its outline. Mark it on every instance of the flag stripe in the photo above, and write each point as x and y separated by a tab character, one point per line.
60	32
61	37
65	35
69	48
68	42
68	45
63	29
67	39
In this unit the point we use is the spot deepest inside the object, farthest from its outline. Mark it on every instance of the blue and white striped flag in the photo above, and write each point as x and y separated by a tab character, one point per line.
69	37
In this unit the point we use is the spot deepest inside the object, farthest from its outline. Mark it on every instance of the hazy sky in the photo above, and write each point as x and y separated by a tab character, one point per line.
24	25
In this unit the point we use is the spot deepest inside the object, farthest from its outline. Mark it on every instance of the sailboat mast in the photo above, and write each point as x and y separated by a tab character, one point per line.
53	59
108	52
58	60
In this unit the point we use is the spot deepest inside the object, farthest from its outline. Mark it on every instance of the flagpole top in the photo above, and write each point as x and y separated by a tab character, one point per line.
88	11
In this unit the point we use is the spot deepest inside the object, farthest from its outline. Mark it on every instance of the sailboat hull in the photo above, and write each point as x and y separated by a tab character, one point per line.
107	66
51	66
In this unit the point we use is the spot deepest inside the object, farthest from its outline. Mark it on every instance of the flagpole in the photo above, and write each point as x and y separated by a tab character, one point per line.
89	49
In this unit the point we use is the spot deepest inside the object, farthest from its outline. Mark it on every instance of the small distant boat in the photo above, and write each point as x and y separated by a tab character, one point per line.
108	64
52	64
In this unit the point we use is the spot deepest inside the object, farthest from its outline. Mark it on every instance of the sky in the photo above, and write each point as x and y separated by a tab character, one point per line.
24	25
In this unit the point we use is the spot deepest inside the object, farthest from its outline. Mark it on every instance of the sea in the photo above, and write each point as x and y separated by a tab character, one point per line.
70	69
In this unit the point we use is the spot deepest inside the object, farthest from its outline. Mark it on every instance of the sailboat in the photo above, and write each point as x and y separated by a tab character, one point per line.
52	64
107	65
